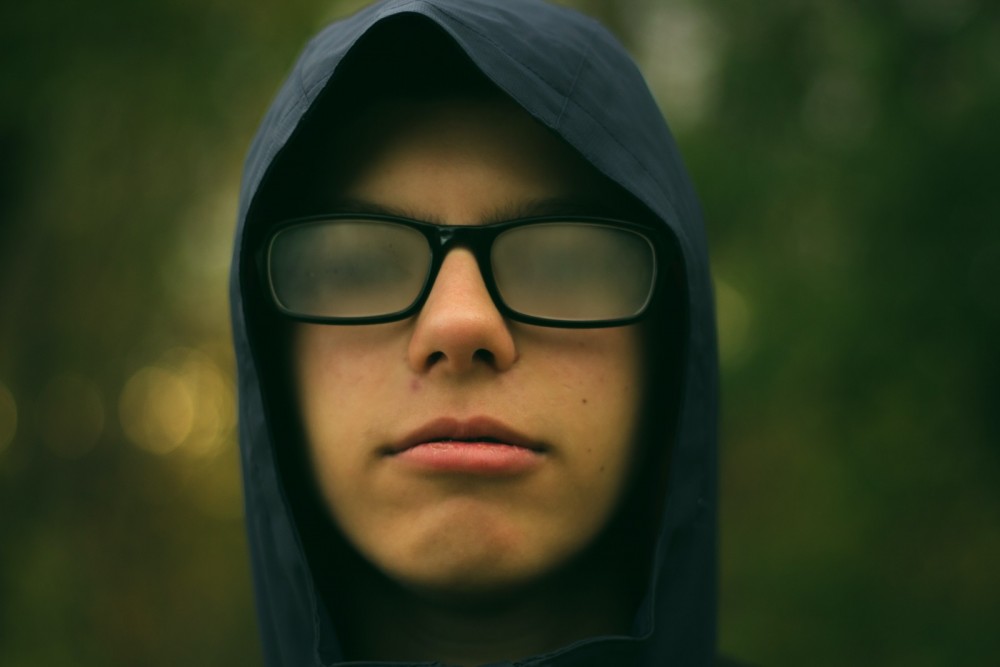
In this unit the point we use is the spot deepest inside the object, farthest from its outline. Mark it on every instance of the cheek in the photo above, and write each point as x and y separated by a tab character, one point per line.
327	356
598	372
597	393
344	370
340	376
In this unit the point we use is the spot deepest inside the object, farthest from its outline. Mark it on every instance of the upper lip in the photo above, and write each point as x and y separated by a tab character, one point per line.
476	429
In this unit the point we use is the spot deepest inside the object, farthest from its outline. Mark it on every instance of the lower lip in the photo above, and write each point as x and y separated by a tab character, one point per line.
475	458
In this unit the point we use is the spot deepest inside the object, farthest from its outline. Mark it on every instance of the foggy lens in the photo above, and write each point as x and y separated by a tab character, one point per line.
347	268
574	271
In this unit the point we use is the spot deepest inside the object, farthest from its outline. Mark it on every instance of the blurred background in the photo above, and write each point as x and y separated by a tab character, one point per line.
847	158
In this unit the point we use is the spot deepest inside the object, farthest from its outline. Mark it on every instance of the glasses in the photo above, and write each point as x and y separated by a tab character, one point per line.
553	271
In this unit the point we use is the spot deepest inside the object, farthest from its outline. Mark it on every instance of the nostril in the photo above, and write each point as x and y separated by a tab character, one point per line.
481	354
484	355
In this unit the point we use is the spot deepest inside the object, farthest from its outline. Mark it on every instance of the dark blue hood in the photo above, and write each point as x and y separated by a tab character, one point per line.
569	73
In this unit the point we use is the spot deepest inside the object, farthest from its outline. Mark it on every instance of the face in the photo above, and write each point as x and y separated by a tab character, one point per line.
457	451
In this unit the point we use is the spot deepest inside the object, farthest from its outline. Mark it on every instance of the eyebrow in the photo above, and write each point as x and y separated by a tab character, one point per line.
512	210
563	205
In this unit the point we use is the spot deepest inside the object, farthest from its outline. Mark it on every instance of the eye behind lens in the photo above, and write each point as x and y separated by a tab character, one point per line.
346	268
574	271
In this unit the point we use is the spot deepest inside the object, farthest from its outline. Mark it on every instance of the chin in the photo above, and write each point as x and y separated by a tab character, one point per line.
476	571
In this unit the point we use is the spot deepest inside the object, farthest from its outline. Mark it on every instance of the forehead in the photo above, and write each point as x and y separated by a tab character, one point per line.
435	157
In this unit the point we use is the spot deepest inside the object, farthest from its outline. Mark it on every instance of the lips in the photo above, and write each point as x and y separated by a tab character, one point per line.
479	446
479	430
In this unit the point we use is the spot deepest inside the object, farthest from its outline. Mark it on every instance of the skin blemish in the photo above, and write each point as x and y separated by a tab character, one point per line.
584	401
415	384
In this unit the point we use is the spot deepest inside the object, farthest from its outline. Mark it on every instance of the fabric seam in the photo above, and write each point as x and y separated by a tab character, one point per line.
572	86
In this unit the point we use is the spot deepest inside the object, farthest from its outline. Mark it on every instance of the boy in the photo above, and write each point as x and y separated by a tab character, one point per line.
476	350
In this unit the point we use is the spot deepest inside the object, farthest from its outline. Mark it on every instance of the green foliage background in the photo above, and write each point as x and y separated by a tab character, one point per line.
846	155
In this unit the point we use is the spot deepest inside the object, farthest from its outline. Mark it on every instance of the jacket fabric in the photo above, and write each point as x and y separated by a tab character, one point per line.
570	74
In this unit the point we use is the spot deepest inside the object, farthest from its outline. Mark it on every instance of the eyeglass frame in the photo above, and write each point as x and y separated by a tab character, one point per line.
478	239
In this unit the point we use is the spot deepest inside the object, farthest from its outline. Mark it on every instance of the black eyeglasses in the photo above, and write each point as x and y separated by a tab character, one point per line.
553	271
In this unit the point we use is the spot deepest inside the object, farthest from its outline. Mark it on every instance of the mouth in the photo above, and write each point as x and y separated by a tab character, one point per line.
479	446
477	431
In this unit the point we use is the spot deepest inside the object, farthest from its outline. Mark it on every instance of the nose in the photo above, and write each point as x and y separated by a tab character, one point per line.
459	328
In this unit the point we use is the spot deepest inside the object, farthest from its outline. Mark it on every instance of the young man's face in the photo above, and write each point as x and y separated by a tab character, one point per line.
467	515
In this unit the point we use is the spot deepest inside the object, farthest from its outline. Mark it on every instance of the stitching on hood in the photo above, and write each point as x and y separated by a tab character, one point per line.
572	85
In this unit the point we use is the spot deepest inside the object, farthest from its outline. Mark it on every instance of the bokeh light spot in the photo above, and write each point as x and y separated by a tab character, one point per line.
679	47
156	409
182	402
214	407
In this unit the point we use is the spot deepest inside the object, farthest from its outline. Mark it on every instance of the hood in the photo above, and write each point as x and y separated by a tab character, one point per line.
570	74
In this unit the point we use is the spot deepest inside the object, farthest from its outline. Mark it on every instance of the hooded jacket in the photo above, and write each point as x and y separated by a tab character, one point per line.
571	75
